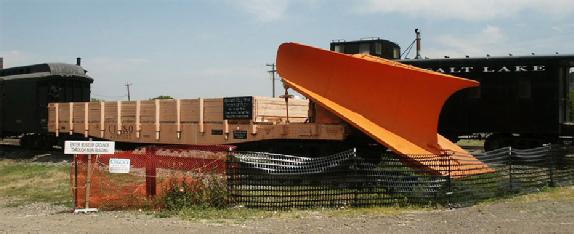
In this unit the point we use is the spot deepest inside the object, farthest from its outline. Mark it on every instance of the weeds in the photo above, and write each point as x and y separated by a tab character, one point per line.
202	191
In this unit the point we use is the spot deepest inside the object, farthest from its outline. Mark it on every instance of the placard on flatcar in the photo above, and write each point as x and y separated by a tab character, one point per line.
237	108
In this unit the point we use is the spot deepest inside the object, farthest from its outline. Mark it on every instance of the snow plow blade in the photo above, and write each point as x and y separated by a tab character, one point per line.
396	104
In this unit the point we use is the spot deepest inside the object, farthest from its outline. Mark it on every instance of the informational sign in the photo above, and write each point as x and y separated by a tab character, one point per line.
239	134
89	147
237	107
216	131
119	165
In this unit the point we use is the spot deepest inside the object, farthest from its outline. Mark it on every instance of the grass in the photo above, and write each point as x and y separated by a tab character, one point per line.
557	194
470	142
239	214
26	182
565	194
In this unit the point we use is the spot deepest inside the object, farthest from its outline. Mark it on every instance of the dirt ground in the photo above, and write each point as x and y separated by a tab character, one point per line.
500	217
506	216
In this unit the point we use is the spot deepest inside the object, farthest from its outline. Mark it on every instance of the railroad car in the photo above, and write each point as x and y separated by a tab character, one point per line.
522	101
25	93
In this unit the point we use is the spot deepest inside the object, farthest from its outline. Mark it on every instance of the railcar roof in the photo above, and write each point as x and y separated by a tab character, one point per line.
43	70
565	57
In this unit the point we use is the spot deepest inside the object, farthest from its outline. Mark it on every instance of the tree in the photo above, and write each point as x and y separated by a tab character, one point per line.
162	97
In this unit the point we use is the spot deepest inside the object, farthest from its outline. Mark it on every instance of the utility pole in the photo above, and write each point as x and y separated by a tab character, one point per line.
272	72
128	87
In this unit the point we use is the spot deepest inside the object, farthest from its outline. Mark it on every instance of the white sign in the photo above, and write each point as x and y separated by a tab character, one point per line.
89	147
119	165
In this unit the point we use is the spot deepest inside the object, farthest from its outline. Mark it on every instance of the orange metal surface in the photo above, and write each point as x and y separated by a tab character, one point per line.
396	104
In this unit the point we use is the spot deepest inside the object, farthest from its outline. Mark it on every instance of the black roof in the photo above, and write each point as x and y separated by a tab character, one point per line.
44	70
372	39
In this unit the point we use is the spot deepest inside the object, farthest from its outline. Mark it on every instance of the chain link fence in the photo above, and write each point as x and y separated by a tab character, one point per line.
273	181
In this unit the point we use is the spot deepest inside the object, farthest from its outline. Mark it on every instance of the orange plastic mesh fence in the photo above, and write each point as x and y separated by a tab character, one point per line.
152	172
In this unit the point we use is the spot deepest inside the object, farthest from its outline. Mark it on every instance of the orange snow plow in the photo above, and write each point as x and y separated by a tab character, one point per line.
398	105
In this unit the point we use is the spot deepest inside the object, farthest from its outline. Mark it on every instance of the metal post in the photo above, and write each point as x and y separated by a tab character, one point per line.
230	172
449	192
418	39
287	96
551	167
510	167
355	175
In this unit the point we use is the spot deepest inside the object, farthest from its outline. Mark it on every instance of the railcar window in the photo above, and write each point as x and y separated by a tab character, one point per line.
378	48
364	48
339	48
396	53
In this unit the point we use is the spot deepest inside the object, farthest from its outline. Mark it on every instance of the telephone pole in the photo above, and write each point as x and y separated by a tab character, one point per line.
272	72
128	87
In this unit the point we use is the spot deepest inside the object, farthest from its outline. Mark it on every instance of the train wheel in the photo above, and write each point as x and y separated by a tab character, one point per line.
36	142
48	142
25	141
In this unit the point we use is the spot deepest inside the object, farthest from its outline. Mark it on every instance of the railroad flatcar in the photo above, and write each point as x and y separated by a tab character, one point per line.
25	93
522	101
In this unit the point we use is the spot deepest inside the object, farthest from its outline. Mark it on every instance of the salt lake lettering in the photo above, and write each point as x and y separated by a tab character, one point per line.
490	69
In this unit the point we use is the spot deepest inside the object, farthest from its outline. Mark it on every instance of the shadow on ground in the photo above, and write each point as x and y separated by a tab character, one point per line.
8	150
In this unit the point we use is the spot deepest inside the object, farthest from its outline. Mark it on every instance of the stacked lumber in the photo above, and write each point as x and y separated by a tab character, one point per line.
190	121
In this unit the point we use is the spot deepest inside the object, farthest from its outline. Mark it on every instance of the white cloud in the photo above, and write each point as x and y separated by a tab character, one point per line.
14	58
264	10
489	39
471	10
495	41
563	28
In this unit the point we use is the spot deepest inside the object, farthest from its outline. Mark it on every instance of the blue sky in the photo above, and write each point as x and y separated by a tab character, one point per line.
201	48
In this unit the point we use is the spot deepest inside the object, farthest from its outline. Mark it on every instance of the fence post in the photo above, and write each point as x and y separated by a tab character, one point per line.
229	171
510	168
88	181
76	205
552	165
445	157
150	172
355	175
88	184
